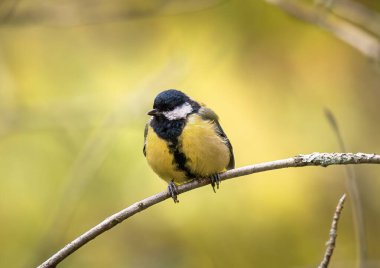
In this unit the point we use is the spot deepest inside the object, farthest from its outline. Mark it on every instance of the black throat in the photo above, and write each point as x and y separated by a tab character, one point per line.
168	130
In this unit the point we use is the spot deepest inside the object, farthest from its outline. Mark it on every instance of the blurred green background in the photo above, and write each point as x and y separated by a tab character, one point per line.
76	81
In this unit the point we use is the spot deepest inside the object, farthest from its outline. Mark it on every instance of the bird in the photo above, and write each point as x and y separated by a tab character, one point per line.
183	141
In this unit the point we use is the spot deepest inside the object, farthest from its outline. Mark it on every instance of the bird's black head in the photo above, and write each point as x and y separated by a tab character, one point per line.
170	99
173	105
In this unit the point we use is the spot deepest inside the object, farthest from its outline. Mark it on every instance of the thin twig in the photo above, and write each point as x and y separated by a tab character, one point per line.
353	191
333	234
314	159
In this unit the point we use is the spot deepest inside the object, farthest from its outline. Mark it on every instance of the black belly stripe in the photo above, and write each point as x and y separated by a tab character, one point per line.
170	131
180	158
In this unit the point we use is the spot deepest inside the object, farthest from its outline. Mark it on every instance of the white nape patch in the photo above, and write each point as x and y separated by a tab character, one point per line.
179	112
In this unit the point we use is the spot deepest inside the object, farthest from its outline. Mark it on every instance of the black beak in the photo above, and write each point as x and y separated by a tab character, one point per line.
153	112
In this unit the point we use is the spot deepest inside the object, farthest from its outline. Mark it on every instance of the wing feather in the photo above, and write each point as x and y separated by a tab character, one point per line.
145	134
208	114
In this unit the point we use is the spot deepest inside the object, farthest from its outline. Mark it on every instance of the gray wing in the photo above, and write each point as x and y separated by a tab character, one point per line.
145	133
208	114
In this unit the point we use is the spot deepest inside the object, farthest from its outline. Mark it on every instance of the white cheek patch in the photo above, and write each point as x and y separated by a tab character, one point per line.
179	113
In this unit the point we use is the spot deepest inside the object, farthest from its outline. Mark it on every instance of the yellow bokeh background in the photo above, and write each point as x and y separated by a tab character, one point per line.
76	81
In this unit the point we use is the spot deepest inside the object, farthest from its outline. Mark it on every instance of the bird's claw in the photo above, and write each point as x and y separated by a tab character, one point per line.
215	180
172	189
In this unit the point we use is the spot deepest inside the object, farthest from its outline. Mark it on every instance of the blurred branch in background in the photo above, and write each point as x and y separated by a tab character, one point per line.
7	9
333	234
340	22
75	13
314	159
353	190
354	12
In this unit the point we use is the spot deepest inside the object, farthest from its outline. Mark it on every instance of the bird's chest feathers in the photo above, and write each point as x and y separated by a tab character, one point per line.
176	149
160	156
206	152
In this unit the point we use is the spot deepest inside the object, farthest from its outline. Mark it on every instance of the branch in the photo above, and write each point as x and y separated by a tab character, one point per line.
333	234
314	159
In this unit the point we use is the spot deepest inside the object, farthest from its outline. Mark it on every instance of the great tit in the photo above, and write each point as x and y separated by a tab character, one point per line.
183	140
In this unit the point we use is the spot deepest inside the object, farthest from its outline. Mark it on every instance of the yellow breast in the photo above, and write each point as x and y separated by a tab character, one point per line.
161	160
206	152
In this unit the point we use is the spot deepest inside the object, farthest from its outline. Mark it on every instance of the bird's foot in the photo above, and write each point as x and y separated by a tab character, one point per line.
215	180
172	189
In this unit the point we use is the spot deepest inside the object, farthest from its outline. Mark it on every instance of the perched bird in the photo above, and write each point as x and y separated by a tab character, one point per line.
183	140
